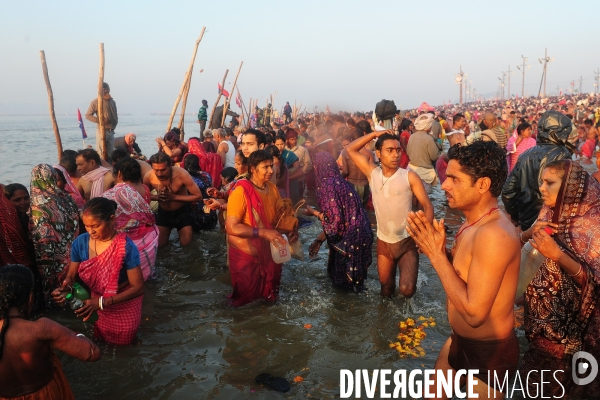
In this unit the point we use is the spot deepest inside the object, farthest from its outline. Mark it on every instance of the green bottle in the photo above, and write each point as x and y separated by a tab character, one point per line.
76	301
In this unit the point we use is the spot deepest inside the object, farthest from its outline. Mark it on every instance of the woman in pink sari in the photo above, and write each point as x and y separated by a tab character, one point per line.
69	187
134	216
108	263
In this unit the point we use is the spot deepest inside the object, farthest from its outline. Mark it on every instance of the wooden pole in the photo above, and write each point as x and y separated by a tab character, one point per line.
212	113
185	80
103	152
183	105
226	107
51	105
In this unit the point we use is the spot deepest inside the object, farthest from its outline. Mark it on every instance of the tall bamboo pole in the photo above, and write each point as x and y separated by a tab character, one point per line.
103	152
185	80
243	105
212	113
226	107
183	105
51	105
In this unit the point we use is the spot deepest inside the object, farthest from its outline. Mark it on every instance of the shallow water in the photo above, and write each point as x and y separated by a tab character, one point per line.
191	344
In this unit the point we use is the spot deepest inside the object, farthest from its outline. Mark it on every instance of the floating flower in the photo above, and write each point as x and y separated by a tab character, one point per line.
411	335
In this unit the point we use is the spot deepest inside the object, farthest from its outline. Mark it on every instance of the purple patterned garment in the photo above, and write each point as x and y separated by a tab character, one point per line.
345	224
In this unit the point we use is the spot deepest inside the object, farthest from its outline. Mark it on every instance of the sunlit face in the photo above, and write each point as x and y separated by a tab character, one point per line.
162	171
238	165
345	143
97	228
249	144
21	200
458	125
263	171
550	186
459	188
85	166
389	155
280	144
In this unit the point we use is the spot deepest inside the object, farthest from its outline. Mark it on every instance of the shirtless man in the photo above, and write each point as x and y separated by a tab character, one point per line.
457	134
176	190
480	273
393	189
120	154
95	179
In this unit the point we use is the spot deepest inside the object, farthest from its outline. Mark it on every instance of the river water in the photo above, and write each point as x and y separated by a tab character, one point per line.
192	344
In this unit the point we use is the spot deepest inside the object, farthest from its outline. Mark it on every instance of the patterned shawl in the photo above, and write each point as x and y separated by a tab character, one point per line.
54	224
70	187
558	312
13	247
346	223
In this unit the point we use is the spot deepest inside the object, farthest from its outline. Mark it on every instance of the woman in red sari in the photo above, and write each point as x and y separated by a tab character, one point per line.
108	263
249	224
562	314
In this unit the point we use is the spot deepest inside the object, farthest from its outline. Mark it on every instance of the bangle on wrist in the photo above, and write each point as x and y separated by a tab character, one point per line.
578	272
521	238
101	303
255	232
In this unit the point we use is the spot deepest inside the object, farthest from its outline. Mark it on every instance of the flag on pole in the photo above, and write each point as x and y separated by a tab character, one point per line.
223	91
83	134
238	101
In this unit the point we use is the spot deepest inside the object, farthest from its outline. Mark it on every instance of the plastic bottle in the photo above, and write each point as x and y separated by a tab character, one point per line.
531	261
76	303
80	292
283	253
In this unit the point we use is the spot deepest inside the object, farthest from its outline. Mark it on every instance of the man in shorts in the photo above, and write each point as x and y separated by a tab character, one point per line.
176	190
392	189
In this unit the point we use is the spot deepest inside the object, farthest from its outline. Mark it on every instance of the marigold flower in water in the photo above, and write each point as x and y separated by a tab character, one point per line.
298	379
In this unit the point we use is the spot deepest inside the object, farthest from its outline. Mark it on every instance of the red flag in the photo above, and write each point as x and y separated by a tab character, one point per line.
238	101
83	134
223	91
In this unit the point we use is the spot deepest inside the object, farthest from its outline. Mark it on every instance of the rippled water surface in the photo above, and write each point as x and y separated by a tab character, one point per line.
191	344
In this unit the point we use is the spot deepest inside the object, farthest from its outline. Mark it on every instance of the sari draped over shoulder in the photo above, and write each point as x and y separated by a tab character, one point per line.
117	324
561	317
135	218
345	224
13	247
253	277
71	188
209	162
54	224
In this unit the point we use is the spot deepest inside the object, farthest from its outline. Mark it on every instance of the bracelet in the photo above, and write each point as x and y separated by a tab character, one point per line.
521	238
254	232
101	302
80	335
578	272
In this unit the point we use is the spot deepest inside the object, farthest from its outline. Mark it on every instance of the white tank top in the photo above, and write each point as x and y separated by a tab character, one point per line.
229	156
392	199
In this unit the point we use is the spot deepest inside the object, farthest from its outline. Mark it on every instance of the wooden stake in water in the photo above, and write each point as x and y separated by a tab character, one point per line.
185	80
212	113
103	152
51	105
228	101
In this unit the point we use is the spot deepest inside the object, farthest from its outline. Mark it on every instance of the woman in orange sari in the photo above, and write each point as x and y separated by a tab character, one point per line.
249	224
108	263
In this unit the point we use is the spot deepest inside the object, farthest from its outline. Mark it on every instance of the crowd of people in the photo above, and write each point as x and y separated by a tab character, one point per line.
99	224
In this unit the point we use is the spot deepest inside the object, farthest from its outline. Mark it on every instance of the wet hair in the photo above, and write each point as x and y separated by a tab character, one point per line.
100	208
588	122
191	163
364	126
256	158
130	170
383	138
522	127
9	190
118	155
260	137
160	158
229	173
457	117
482	160
16	285
404	125
68	161
89	155
558	166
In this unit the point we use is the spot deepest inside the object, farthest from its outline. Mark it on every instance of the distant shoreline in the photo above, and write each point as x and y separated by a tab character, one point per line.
75	115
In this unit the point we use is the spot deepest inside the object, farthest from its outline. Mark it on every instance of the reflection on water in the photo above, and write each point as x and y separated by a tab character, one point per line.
191	344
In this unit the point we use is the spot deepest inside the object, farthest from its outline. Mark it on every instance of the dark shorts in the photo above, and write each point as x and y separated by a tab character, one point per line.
395	251
499	356
178	219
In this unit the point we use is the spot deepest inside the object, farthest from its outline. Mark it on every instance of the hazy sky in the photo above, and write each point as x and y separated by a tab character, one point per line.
348	54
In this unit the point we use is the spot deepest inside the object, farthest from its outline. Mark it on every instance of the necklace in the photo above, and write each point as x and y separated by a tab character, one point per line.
107	240
258	187
381	188
474	223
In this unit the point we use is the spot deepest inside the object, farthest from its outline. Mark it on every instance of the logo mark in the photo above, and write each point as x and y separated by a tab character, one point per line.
580	368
